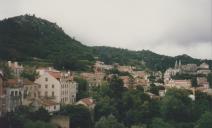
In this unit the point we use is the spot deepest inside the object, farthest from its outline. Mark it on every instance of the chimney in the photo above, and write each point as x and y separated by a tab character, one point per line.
9	63
50	69
16	64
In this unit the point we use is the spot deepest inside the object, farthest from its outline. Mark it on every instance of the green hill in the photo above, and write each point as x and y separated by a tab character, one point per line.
146	58
25	37
30	39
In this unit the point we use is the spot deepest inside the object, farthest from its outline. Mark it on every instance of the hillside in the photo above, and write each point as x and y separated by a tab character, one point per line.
28	39
146	58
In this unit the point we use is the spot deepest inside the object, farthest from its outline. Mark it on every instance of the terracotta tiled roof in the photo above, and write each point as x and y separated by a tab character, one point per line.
12	83
88	101
56	75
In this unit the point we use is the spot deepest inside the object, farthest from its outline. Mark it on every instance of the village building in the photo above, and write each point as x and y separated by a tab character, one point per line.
94	79
16	68
202	82
169	73
100	66
188	69
128	69
158	75
203	69
185	84
126	81
48	104
14	94
87	102
31	90
58	86
2	95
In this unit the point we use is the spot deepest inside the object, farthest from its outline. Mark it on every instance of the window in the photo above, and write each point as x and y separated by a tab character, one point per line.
39	93
12	93
46	93
52	85
16	93
54	107
52	94
39	86
46	79
46	86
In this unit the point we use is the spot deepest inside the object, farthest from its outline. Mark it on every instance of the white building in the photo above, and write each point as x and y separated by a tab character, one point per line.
16	68
203	69
58	86
14	94
186	84
49	105
169	73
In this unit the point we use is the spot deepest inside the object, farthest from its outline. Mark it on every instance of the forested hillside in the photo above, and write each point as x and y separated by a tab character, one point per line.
27	38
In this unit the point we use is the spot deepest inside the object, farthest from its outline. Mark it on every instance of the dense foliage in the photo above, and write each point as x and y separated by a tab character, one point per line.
83	89
117	107
134	108
24	117
80	116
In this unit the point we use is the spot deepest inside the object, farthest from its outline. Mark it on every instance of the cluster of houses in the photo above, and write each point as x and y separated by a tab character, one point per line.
201	72
53	88
50	90
132	79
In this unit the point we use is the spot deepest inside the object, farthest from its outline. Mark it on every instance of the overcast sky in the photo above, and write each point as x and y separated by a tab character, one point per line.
170	27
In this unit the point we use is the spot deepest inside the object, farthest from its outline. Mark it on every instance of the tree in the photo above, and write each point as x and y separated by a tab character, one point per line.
38	124
80	116
104	107
159	123
41	114
154	89
176	105
116	86
108	122
83	89
30	74
194	82
210	79
205	121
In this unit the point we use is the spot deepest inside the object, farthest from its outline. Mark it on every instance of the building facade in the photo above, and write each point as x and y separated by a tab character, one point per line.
57	86
16	68
14	94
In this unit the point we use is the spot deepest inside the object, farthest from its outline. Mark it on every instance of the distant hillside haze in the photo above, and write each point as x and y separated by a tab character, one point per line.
25	37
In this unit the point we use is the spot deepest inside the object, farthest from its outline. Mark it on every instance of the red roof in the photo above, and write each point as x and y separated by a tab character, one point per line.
12	83
56	75
88	101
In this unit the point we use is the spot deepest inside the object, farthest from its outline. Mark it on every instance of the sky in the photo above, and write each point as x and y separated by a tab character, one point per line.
168	27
